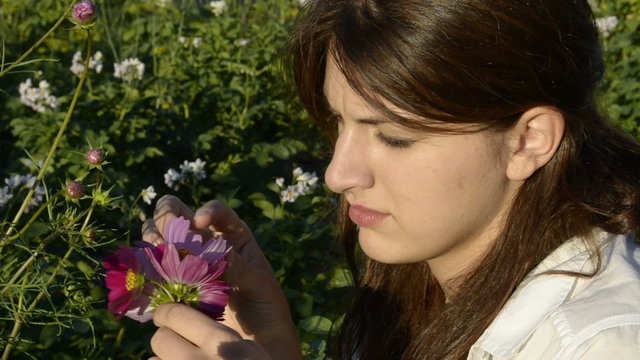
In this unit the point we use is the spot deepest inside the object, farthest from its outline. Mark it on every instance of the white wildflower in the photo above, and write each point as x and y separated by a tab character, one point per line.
5	196
129	69
197	169
13	181
242	42
304	183
172	178
218	7
606	24
196	42
37	98
29	180
148	194
182	40
290	194
77	63
308	178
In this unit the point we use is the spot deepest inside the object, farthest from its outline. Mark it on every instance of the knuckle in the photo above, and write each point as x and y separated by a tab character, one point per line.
159	339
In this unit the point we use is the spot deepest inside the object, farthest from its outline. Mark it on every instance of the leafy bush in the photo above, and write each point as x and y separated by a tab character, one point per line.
210	90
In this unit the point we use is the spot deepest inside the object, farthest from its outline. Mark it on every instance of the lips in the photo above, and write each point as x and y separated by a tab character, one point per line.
365	217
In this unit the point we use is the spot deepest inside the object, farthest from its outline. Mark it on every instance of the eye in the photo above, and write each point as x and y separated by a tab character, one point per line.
395	143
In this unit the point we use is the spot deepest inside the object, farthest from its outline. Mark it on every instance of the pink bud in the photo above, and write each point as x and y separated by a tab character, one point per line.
95	156
75	190
83	12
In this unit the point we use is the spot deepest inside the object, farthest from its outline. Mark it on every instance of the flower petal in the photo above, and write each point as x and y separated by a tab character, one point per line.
176	230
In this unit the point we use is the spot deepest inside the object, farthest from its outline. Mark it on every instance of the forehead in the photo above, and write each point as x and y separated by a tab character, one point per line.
339	94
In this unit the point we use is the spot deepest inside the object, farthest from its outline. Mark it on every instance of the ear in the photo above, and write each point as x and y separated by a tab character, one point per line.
533	141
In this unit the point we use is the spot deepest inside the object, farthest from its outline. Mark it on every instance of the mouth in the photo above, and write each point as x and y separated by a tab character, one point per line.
365	217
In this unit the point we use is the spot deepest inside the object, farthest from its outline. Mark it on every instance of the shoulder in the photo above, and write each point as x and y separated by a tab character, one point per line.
601	313
557	316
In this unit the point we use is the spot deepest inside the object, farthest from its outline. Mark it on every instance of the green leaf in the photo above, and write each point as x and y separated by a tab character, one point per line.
316	325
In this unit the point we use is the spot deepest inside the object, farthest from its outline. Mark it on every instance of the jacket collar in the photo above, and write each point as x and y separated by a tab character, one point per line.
536	297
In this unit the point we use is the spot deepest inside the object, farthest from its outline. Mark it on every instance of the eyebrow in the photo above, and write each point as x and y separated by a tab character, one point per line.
365	120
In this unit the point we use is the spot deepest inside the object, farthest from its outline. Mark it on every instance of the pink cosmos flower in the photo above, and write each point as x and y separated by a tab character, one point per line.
177	232
83	12
189	279
129	273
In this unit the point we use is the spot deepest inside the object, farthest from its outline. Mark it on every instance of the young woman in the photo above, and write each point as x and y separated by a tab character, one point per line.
494	204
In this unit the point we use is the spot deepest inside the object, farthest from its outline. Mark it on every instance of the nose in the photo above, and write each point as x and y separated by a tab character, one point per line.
349	167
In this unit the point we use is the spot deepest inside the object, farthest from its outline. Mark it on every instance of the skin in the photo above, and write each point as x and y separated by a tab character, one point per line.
445	195
444	199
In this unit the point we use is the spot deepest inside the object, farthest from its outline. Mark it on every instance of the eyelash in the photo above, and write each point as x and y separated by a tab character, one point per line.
394	142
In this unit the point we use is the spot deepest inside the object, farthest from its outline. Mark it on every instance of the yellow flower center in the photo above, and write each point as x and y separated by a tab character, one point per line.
182	253
131	280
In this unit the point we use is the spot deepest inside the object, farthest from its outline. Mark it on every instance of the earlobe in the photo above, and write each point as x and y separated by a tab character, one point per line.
533	141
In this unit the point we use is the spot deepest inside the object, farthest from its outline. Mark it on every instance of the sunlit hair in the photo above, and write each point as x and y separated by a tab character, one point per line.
481	62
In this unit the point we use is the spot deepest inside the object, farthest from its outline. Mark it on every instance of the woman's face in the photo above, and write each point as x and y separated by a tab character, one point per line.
415	196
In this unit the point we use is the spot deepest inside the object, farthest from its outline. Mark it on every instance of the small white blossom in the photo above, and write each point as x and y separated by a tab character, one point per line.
606	24
218	7
190	173
5	196
182	39
77	63
197	169
13	181
172	179
148	194
307	178
304	183
37	98
129	69
196	42
242	42
29	180
290	194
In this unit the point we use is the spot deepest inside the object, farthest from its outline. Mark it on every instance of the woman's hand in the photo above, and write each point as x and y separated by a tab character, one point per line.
186	333
257	313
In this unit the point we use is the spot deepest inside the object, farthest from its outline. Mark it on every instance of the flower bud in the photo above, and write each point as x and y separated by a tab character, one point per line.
75	190
90	236
95	156
83	12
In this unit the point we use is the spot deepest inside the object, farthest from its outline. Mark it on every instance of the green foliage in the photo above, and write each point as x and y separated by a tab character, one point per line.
220	99
621	86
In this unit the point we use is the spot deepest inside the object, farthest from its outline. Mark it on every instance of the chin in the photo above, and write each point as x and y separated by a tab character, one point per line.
385	249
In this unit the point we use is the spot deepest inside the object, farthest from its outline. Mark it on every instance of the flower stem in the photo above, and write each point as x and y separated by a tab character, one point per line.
56	142
3	72
21	320
31	220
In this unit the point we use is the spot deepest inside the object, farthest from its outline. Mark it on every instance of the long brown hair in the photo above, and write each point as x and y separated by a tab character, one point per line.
474	62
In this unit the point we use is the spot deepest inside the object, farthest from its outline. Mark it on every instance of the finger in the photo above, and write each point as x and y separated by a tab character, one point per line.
223	219
167	208
192	325
251	282
150	233
167	344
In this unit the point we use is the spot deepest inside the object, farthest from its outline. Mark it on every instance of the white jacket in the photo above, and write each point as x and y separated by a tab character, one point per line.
560	317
